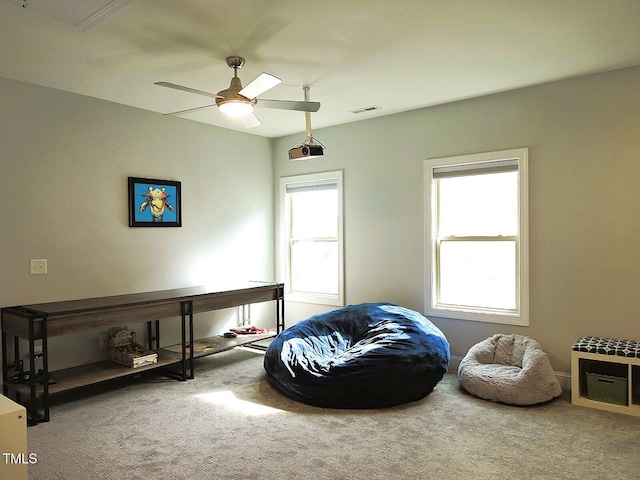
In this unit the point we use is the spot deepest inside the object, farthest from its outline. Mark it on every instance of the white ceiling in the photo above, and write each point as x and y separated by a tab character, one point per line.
398	55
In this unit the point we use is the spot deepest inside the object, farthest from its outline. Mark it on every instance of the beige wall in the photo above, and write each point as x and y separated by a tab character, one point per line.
64	163
583	137
65	159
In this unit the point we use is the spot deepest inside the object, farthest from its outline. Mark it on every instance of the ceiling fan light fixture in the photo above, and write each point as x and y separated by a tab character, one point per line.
239	103
236	108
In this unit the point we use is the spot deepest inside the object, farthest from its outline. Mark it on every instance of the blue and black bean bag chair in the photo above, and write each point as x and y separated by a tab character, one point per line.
371	355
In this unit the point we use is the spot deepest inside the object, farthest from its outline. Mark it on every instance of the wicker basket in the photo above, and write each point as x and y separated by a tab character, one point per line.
607	388
124	349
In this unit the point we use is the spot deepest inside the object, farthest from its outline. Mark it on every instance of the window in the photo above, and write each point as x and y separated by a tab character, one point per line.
313	257
476	262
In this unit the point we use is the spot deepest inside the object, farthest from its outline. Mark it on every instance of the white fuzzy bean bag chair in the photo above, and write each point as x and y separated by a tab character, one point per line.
509	369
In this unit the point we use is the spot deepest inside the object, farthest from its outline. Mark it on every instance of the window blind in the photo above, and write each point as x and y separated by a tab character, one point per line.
322	184
478	168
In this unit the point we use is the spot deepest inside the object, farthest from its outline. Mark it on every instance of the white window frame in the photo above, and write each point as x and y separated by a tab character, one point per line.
520	315
301	181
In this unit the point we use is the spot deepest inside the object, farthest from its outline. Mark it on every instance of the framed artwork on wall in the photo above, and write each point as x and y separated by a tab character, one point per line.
154	203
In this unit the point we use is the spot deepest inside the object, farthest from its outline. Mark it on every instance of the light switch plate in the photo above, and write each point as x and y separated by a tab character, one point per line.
38	267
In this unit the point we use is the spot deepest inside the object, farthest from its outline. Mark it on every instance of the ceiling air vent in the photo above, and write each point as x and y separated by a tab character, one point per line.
365	109
80	14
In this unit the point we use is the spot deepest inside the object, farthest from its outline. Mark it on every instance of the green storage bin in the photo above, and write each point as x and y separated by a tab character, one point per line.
606	388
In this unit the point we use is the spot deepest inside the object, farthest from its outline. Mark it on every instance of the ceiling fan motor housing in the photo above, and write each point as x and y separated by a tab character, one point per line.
231	93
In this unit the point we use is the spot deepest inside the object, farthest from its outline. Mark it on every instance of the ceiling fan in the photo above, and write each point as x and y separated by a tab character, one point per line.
239	102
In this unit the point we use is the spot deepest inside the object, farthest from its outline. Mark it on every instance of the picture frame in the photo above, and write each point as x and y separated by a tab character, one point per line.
154	203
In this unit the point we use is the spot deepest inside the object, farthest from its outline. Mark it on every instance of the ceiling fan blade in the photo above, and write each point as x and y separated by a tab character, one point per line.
190	110
289	105
259	85
251	121
186	89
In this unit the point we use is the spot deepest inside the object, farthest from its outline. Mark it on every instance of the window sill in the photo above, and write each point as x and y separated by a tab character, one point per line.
476	316
317	299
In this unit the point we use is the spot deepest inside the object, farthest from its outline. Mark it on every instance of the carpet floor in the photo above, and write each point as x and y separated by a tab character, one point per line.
228	423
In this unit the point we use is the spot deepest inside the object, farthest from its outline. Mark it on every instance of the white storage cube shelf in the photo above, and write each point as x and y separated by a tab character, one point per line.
615	364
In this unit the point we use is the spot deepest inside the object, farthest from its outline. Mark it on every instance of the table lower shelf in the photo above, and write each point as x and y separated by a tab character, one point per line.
217	344
92	373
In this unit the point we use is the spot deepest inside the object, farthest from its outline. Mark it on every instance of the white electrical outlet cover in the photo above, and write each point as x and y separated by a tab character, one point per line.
38	267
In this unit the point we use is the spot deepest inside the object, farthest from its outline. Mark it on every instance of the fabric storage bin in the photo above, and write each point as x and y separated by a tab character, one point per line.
606	388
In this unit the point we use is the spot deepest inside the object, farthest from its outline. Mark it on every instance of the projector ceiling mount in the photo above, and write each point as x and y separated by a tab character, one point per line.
311	147
238	101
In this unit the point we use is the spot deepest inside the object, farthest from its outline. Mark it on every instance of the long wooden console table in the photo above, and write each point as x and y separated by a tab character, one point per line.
42	321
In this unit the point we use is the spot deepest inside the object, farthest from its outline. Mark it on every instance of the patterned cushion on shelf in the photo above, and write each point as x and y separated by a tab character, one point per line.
608	346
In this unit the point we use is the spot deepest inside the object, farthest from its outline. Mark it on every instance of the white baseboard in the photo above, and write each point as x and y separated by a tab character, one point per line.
454	363
563	378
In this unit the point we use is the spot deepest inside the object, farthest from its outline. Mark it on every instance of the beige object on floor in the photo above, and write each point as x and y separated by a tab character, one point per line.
13	440
509	369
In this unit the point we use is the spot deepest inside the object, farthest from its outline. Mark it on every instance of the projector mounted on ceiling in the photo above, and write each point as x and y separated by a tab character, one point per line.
305	152
311	147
